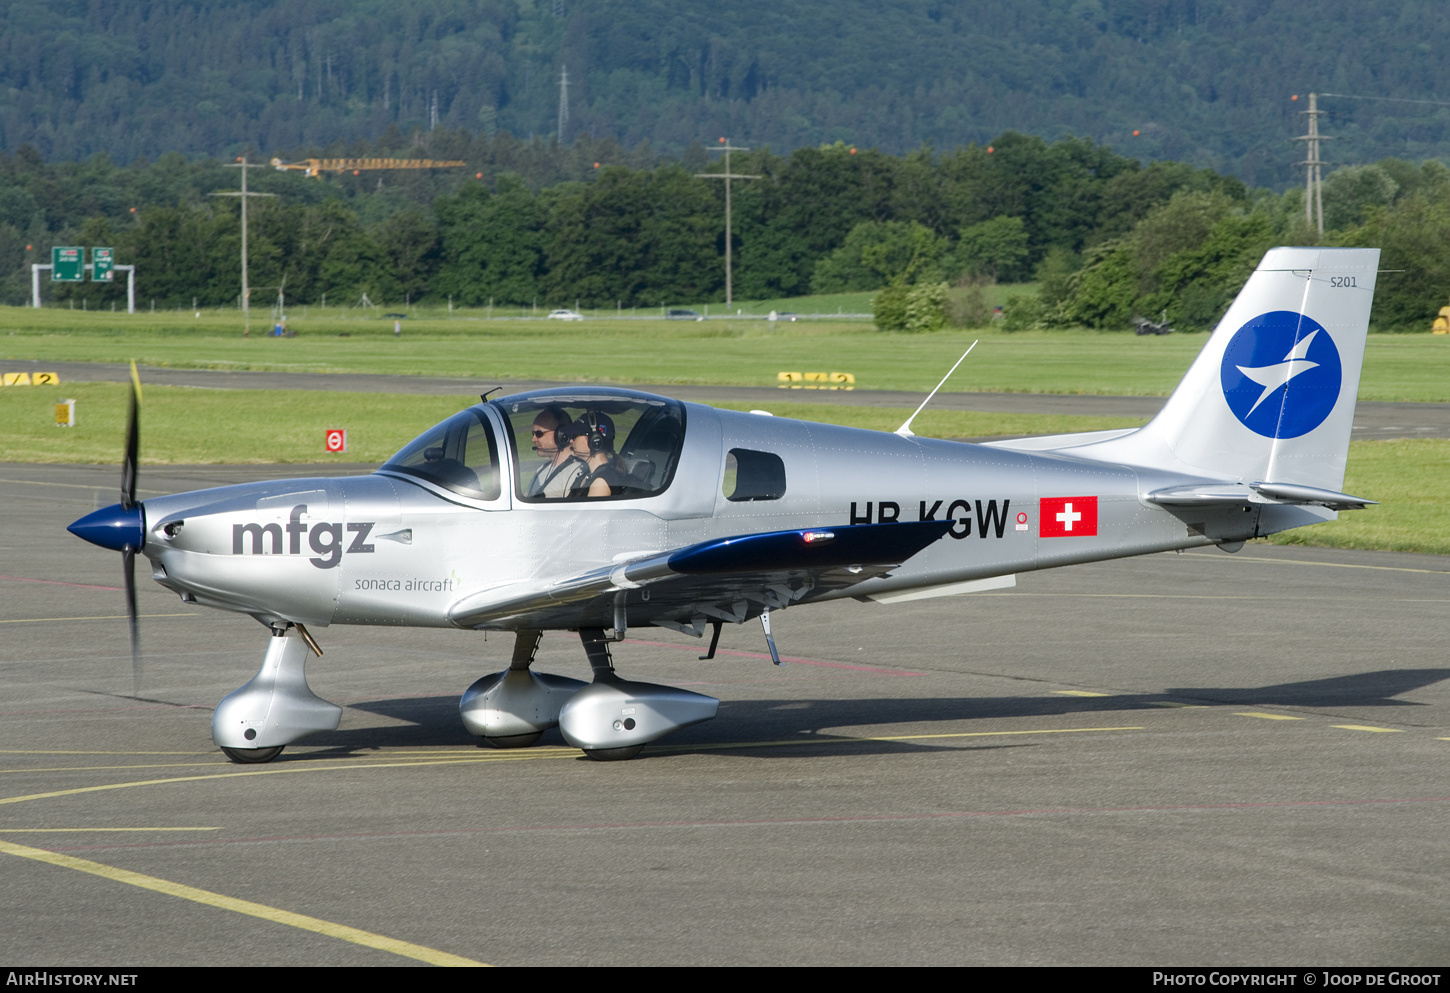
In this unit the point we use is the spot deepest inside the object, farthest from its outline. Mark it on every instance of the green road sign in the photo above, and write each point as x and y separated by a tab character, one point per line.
102	261
69	265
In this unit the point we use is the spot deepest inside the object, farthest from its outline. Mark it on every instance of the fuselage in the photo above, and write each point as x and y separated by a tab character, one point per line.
393	548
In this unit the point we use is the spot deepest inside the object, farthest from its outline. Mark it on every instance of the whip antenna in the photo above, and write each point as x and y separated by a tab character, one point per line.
905	429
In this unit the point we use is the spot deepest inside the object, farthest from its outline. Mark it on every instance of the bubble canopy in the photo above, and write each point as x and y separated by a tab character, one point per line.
459	454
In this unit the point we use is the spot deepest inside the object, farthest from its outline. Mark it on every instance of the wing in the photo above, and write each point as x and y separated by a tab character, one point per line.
726	579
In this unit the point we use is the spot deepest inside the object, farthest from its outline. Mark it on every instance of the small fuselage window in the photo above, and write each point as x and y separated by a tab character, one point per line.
751	475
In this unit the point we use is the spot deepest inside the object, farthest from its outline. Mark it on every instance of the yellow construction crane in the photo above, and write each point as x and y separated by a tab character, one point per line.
316	167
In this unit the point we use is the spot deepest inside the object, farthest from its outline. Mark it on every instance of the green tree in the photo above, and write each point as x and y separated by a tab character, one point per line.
995	249
491	244
879	252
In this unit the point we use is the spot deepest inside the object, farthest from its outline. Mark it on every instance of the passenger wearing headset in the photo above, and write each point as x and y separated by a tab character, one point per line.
554	479
592	440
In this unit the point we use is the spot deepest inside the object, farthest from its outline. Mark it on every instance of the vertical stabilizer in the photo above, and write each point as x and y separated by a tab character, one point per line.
1271	396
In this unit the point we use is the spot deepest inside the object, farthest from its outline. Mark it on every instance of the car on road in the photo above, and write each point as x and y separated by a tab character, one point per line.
682	314
565	315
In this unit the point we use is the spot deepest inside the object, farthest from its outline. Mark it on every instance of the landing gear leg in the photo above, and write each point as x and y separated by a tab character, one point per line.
596	648
513	708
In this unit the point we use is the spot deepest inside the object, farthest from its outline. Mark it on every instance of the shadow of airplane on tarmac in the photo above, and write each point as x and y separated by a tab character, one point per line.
433	721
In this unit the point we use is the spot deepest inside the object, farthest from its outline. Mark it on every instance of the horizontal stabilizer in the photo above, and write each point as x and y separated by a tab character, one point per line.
1294	493
1233	494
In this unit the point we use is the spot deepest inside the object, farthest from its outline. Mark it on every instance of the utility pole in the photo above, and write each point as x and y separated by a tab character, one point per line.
243	165
727	175
563	102
1313	179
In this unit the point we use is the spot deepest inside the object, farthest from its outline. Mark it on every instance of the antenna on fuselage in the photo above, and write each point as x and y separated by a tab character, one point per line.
905	429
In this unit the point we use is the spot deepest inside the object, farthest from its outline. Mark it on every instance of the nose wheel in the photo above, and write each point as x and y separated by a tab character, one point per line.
251	756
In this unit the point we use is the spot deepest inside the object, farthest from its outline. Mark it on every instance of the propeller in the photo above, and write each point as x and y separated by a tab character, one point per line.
128	503
122	527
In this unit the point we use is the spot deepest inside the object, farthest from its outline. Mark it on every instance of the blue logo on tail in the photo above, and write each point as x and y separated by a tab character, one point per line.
1281	374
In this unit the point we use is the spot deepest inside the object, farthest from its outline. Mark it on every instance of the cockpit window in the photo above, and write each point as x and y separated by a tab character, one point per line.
459	454
582	445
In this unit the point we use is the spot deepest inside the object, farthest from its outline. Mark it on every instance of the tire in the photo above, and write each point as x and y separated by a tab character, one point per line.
613	754
251	756
514	740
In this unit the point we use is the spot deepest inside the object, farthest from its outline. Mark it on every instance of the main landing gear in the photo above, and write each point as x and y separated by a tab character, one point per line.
609	719
277	706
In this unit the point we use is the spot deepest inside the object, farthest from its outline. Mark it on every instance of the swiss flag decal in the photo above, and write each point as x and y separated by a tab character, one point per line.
1068	517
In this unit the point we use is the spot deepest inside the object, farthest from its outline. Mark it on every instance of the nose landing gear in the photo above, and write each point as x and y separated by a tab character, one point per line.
276	707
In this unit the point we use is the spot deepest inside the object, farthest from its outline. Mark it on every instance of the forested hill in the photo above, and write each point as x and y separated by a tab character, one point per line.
1204	81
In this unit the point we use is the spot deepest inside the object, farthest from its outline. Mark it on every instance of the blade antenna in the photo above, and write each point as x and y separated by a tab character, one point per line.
905	429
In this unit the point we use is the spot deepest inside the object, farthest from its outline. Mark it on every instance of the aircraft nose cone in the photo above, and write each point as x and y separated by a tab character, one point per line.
112	527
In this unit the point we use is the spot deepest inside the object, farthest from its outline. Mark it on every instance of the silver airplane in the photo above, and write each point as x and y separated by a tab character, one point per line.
704	516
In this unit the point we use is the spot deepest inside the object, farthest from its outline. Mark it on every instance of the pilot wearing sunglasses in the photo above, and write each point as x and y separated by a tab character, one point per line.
557	476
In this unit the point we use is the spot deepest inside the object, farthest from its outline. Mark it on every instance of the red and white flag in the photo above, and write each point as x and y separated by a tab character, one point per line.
1068	517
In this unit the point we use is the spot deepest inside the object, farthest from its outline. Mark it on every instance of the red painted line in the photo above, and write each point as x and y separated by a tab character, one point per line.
767	822
783	658
110	710
56	582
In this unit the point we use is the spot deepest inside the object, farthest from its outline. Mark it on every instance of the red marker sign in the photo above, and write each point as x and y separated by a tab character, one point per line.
336	440
1068	517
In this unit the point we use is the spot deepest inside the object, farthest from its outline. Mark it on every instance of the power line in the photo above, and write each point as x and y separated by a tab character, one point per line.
1356	96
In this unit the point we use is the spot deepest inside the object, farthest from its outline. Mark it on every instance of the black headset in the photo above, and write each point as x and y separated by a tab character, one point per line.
597	441
561	424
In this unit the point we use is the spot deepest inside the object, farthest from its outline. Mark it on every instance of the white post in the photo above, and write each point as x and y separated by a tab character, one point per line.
130	271
35	268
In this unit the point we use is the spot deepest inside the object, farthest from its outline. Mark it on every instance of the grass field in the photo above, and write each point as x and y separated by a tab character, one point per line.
190	426
737	352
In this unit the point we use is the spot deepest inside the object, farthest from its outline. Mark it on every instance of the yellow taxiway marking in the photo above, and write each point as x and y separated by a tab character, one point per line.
100	617
24	830
1330	565
340	931
1267	717
533	754
113	768
1184	706
290	768
1368	727
1079	693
